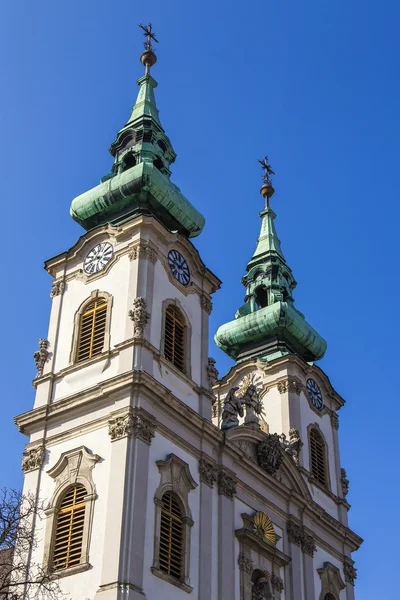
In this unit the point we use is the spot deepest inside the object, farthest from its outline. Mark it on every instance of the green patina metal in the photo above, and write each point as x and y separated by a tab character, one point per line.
139	181
268	324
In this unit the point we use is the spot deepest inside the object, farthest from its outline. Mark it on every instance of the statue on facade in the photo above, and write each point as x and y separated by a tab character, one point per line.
253	406
233	407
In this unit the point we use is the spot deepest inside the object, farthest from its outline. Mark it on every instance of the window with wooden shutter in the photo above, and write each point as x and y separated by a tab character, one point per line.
68	537
317	455
174	337
92	329
171	537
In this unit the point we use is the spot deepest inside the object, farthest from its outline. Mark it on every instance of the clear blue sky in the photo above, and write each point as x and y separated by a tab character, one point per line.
315	86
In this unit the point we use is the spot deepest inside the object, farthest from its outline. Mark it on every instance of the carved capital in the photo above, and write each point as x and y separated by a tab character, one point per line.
344	482
33	459
143	428
334	420
139	316
143	251
245	564
208	472
206	304
226	484
350	573
57	288
277	583
282	386
212	372
308	544
294	386
295	533
120	427
41	356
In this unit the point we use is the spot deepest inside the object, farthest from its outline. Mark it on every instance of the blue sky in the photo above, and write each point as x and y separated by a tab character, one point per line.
315	86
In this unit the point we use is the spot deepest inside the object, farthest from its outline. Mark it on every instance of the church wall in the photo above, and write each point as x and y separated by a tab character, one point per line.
154	587
272	402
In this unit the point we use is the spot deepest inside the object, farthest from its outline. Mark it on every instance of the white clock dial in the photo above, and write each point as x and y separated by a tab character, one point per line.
179	267
97	258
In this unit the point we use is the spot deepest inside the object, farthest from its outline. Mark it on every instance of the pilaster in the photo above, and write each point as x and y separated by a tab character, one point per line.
226	538
208	478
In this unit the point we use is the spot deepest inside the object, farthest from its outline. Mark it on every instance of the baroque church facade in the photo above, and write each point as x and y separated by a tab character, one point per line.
160	478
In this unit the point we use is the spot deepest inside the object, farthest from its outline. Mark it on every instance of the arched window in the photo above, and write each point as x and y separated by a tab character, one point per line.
317	457
92	329
171	537
129	161
67	548
174	337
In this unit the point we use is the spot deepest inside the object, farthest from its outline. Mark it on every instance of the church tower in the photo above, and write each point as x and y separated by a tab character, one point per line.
158	478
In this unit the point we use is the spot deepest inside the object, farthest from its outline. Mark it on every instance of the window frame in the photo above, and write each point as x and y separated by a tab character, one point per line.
176	478
71	511
187	336
327	485
73	467
95	295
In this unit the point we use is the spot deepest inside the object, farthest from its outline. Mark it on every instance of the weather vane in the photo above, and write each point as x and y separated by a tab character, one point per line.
148	33
267	170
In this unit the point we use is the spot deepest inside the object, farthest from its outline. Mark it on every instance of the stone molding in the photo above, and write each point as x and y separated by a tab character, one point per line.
344	482
245	563
226	483
33	459
57	288
297	535
350	573
132	423
331	581
208	471
334	420
41	356
206	303
139	316
141	250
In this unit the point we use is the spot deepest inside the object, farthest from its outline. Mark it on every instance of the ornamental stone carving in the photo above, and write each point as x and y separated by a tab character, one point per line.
57	288
334	420
33	459
212	372
245	564
233	407
41	356
260	590
226	484
139	316
206	304
120	427
143	251
282	387
143	428
277	583
294	445
269	454
308	544
289	385
297	535
208	472
350	573
344	482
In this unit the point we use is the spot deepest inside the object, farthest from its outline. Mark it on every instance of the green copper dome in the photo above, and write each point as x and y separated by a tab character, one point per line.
268	325
139	181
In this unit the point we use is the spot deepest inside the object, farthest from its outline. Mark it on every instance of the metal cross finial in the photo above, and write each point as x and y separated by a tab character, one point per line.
149	35
267	170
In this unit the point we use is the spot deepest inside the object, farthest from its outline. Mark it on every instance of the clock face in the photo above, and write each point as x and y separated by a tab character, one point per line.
315	393
97	258
179	267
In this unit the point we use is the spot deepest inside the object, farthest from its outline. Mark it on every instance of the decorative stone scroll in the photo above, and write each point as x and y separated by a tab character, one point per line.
33	459
143	428
350	573
297	535
57	288
226	484
344	482
41	356
143	251
212	372
206	304
139	316
208	472
131	424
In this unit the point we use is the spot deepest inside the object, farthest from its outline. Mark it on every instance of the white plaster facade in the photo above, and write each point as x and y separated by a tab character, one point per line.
75	403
